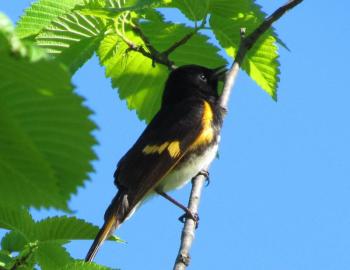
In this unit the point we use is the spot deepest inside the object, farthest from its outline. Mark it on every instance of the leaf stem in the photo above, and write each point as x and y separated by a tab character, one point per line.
188	232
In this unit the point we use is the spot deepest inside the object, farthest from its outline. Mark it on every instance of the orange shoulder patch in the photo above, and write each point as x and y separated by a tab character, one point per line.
207	133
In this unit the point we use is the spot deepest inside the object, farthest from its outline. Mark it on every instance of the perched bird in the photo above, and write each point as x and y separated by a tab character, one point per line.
178	143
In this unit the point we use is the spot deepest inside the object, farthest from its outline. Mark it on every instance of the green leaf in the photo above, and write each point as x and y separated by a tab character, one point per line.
138	82
8	40
45	140
197	50
5	258
52	233
109	10
52	256
132	73
18	220
79	265
45	136
6	25
261	62
44	239
53	229
72	38
41	13
66	228
25	260
194	10
13	241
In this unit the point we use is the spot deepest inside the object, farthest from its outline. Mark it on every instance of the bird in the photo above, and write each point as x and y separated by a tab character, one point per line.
180	141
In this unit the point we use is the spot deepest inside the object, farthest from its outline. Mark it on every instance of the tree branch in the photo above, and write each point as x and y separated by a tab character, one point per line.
188	232
152	52
185	38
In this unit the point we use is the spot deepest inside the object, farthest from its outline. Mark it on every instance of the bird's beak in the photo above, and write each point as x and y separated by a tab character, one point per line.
220	72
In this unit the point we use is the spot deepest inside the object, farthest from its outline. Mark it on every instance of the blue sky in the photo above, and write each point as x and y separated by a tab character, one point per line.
279	196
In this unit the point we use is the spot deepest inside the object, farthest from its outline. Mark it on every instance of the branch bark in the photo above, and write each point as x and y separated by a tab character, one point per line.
188	232
155	55
149	51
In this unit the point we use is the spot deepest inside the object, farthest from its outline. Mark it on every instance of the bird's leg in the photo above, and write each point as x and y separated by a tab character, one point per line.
188	212
205	174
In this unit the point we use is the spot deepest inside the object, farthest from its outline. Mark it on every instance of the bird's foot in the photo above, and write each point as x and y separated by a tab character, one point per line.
191	215
205	174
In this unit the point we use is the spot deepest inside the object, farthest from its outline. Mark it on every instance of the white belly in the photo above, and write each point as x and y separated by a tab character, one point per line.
182	175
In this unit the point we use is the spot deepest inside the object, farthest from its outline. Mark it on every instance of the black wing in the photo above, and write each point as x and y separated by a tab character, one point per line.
160	147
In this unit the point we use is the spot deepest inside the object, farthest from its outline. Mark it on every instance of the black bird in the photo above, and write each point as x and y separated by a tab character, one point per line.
177	144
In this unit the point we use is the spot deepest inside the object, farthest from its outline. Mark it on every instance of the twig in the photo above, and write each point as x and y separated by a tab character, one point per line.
187	235
153	53
188	232
185	38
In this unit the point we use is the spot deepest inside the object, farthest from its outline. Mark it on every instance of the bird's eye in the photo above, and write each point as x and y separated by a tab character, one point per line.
203	77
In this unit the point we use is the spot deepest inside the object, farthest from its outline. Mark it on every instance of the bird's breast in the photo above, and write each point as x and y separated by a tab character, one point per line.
199	154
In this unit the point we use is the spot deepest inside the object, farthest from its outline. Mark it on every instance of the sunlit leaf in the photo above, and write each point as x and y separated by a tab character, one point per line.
41	13
84	266
261	62
72	38
194	10
45	140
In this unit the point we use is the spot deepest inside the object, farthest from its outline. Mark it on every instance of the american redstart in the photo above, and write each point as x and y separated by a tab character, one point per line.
178	143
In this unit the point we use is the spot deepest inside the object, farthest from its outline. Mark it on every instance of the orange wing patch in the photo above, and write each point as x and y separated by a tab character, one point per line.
207	133
152	149
172	147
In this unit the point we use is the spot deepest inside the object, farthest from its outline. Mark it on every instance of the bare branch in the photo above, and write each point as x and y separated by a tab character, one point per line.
188	232
179	43
185	38
151	52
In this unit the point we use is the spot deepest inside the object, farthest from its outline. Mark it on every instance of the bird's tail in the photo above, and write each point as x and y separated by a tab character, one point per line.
107	229
114	216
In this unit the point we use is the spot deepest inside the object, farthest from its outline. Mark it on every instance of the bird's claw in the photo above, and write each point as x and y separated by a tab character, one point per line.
191	215
205	174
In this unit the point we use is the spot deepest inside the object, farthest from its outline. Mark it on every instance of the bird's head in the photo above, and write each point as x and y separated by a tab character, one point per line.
192	81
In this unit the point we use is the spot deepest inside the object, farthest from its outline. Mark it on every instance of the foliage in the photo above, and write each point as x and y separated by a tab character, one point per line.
107	27
76	35
41	242
45	151
45	131
45	140
261	63
41	13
